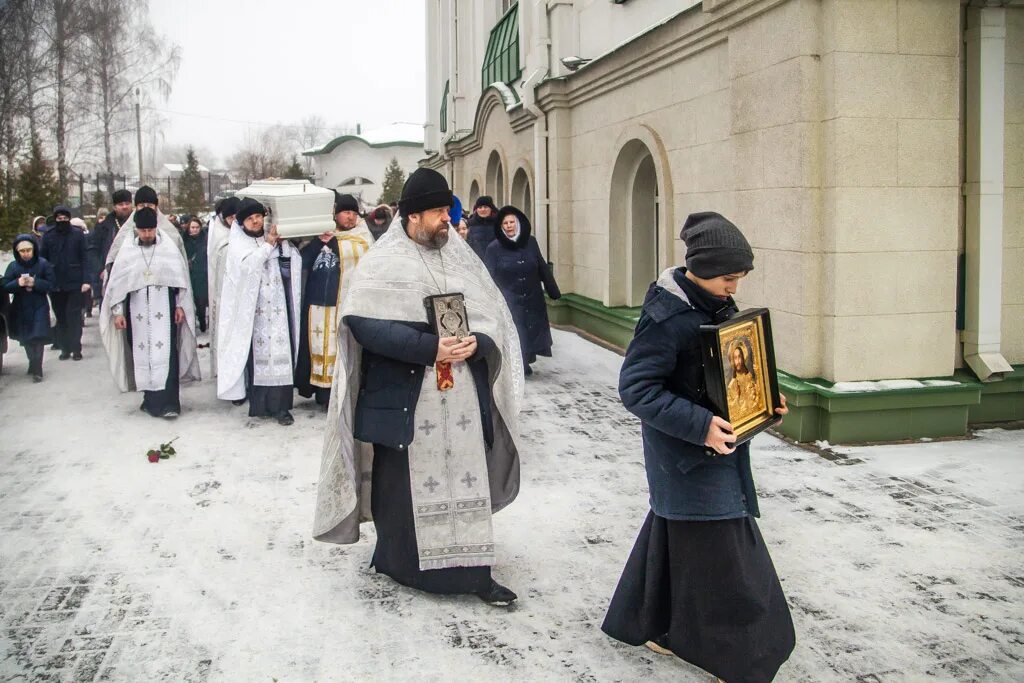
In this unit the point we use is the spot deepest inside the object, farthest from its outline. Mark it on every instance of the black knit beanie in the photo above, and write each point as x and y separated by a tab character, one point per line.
61	210
249	207
121	196
714	246
345	202
425	189
228	207
146	195
145	218
484	200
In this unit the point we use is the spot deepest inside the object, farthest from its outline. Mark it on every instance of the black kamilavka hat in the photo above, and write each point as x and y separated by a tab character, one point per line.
425	189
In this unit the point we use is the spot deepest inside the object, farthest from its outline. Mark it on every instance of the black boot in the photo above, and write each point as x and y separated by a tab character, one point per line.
285	419
497	595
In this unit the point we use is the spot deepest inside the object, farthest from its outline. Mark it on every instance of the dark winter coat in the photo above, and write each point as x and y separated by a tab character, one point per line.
67	249
481	232
195	251
522	274
396	355
101	238
662	383
28	318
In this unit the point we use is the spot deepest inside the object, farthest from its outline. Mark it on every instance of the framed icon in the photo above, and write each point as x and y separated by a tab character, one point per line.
740	373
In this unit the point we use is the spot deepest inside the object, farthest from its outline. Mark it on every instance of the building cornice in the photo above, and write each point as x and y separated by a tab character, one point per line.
681	36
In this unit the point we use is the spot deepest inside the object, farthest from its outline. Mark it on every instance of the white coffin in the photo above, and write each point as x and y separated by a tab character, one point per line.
298	207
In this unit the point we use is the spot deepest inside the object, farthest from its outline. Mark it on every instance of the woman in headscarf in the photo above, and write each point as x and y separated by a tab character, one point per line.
195	249
520	271
29	277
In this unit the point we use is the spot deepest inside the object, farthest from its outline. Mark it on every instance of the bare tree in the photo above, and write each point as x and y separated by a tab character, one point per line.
263	154
124	54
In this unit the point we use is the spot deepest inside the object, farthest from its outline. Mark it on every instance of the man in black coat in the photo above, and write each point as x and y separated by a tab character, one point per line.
482	225
103	235
68	250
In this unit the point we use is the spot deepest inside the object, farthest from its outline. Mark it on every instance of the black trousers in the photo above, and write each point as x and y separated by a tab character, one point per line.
67	307
34	351
201	315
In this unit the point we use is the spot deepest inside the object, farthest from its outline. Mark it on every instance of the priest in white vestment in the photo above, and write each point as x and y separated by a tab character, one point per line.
327	264
423	421
258	321
216	255
147	319
146	198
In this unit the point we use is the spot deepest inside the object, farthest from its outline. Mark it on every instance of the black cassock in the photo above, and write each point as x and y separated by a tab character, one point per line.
157	403
322	280
272	401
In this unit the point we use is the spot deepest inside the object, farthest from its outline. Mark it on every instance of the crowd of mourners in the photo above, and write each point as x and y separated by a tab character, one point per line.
417	344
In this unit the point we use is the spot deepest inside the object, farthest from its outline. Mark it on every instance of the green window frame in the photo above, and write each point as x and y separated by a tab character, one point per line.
444	108
501	60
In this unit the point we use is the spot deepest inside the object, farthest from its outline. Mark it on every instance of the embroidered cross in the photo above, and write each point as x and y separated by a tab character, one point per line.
319	330
464	422
259	311
469	480
431	484
427	427
139	317
159	345
277	310
159	315
142	346
259	342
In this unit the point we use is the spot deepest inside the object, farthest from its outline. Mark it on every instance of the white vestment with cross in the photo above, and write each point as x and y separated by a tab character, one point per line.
451	498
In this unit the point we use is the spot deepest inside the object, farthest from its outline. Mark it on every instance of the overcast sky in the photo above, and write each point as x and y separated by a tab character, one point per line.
274	61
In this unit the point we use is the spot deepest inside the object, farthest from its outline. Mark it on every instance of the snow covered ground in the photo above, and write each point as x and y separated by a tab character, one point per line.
901	563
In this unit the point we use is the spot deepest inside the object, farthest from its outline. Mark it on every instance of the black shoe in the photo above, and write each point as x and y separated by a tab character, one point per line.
497	595
63	356
238	402
77	355
285	419
528	371
55	347
37	378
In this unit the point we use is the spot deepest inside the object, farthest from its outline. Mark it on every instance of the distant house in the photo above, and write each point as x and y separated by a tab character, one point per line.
174	171
355	164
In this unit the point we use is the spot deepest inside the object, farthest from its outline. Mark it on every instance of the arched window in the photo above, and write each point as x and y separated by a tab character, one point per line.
496	179
521	197
355	180
634	227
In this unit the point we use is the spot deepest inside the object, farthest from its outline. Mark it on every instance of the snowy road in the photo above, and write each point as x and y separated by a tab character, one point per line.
900	563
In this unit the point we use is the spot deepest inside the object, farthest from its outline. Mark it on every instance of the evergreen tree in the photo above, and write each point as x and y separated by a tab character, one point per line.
191	194
295	172
36	192
394	180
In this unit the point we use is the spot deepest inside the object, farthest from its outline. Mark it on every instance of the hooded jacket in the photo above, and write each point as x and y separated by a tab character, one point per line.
522	275
67	249
29	315
662	383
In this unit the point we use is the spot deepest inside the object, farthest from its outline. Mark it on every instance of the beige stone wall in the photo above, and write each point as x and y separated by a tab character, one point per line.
891	195
497	136
1013	208
828	130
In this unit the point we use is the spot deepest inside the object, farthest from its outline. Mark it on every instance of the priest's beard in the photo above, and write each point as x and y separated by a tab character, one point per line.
250	233
434	240
147	243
